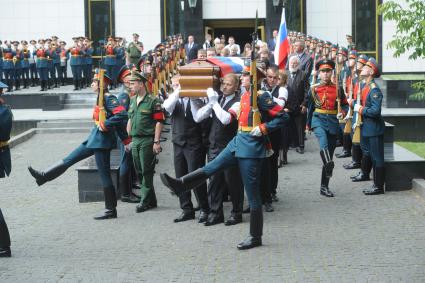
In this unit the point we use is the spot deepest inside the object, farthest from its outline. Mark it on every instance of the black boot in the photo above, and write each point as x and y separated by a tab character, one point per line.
357	157
32	82
110	210
378	182
49	174
56	83
75	84
25	83
49	83
17	84
4	238
324	185
125	189
185	183
62	82
255	230
328	163
364	174
9	85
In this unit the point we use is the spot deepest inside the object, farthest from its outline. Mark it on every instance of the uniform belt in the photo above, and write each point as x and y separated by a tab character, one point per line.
110	55
324	111
4	144
245	128
76	55
44	58
8	59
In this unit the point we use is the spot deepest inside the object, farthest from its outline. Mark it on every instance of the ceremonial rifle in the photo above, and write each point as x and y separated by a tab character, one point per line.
349	122
356	135
256	120
338	98
101	94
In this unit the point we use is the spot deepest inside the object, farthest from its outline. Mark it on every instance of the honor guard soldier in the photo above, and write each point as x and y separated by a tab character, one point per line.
33	67
75	62
360	96
8	65
110	59
6	118
88	59
25	63
64	57
126	165
146	118
326	107
373	127
247	149
1	60
99	143
41	64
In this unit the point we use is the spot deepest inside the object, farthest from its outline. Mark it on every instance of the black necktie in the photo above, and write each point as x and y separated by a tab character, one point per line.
223	100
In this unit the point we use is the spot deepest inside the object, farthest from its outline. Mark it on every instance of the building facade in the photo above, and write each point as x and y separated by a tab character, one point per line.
154	19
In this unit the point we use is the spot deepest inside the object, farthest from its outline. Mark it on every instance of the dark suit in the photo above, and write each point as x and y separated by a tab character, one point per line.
189	153
220	135
191	53
306	63
298	87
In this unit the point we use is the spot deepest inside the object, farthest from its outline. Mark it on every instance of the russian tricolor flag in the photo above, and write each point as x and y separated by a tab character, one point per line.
227	64
281	50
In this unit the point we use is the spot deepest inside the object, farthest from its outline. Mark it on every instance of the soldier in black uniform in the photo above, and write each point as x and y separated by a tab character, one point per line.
5	166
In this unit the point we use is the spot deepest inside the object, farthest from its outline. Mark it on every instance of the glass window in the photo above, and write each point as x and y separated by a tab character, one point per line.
99	22
365	25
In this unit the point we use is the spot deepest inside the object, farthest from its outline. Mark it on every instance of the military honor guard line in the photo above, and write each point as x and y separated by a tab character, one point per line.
229	135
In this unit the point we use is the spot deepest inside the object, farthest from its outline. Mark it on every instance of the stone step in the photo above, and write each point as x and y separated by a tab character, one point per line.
65	124
63	130
78	106
80	101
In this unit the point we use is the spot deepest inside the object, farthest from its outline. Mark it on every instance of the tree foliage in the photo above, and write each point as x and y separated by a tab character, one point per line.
410	31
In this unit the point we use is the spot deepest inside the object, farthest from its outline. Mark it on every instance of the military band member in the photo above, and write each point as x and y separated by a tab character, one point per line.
41	64
247	149
99	143
17	65
8	65
25	63
1	60
88	61
75	62
223	128
145	123
6	118
53	58
111	59
63	68
373	127
32	61
323	116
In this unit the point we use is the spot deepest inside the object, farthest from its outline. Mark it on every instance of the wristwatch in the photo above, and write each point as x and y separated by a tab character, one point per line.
157	142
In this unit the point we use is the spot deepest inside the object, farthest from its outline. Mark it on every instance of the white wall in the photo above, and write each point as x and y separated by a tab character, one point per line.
35	19
233	9
402	63
140	16
329	19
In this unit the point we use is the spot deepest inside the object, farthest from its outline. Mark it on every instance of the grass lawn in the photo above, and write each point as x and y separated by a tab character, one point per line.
416	147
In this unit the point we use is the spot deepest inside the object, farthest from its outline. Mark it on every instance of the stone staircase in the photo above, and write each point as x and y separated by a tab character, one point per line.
80	100
65	126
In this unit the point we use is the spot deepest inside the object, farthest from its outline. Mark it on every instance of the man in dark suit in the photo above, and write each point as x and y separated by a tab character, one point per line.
191	49
189	151
306	62
271	44
223	128
298	87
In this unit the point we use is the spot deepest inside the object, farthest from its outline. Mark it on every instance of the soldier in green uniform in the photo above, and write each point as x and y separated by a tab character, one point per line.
134	50
145	123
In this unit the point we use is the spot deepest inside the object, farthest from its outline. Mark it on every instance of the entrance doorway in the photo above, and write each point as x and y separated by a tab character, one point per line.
241	30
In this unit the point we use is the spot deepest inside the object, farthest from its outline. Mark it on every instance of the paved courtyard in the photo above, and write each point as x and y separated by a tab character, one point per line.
309	238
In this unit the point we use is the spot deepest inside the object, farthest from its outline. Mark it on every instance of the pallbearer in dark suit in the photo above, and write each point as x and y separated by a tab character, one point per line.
323	115
373	127
99	143
224	127
189	153
6	118
191	49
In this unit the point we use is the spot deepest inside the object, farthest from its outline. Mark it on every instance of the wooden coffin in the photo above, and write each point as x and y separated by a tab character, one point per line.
197	76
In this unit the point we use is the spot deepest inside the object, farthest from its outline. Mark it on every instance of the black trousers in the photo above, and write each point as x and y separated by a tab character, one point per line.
228	180
298	121
265	184
4	233
188	159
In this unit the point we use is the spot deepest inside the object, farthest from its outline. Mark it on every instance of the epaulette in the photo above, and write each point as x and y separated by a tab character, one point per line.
315	85
260	92
373	85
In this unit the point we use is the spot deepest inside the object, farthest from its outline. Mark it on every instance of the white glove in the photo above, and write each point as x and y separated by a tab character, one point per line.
349	101
269	152
177	92
128	147
348	114
357	107
212	96
256	132
339	116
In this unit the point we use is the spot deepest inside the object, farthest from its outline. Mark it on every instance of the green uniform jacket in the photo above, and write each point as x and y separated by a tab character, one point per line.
145	116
